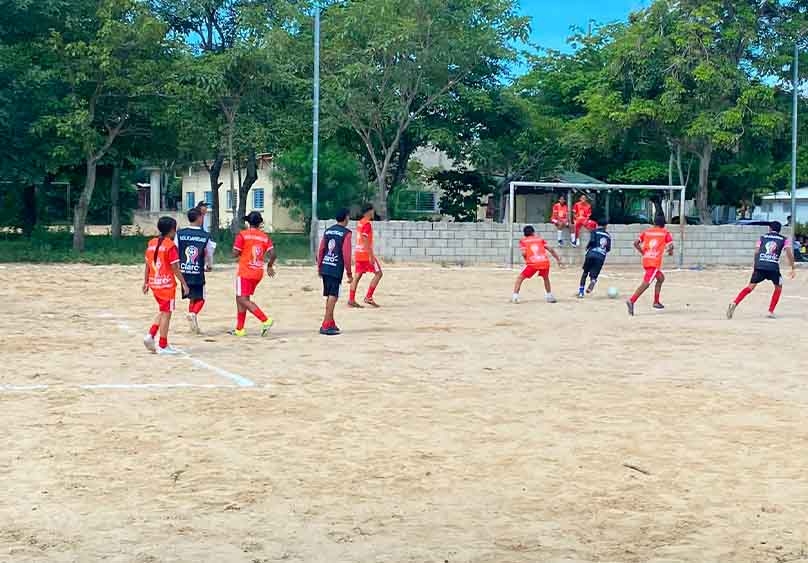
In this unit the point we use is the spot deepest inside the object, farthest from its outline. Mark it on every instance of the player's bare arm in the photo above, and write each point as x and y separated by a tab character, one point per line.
175	267
556	256
790	255
670	249
271	262
638	245
146	279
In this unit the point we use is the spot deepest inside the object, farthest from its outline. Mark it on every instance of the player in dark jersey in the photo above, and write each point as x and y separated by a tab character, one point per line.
334	259
767	267
196	257
600	244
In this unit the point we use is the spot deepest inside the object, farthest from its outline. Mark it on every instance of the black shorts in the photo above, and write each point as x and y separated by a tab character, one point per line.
592	266
763	275
195	292
331	286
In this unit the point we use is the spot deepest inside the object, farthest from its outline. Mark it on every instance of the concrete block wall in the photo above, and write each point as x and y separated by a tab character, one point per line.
487	243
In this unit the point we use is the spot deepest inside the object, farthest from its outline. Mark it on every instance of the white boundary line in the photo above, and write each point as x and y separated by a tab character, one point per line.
116	386
239	380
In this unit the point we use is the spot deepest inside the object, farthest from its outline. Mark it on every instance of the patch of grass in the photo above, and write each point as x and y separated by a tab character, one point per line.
55	247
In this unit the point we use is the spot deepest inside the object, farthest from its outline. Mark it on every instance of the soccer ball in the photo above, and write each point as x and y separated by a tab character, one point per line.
613	293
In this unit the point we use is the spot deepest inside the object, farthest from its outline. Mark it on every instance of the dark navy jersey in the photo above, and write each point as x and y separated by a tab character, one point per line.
335	251
192	243
600	244
769	249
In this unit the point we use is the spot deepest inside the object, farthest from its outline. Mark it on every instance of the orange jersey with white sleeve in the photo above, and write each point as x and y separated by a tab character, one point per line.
161	275
253	244
654	242
560	212
534	249
364	241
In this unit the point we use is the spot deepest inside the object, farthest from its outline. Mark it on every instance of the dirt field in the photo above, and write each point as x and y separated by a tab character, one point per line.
448	426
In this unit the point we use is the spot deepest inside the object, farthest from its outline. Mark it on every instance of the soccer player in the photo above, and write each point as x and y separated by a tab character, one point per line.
334	259
561	217
600	244
581	212
161	274
252	247
366	261
535	249
196	257
652	244
767	267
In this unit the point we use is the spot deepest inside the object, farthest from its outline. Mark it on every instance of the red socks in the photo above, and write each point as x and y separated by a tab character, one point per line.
196	306
241	318
775	299
329	324
163	342
259	314
746	291
371	289
154	330
352	298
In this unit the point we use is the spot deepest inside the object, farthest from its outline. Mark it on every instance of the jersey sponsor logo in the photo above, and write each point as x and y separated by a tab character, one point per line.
256	260
771	252
191	264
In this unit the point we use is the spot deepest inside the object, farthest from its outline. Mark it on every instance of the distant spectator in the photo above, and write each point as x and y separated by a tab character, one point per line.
202	206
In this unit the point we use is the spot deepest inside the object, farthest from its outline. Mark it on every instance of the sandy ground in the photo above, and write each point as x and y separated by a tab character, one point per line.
447	426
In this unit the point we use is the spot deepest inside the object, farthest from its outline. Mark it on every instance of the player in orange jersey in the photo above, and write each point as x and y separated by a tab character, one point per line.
652	244
535	249
160	275
561	217
582	213
252	247
366	261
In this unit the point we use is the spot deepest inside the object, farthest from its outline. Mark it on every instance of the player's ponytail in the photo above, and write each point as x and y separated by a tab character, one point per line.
166	225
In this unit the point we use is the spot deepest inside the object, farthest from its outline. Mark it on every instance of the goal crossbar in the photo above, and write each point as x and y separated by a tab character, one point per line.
608	189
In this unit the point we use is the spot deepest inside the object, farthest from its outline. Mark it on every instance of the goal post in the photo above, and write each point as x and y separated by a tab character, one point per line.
608	189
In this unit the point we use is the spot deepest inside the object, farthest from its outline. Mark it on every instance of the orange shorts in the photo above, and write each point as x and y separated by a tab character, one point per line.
531	271
245	287
651	274
368	267
165	305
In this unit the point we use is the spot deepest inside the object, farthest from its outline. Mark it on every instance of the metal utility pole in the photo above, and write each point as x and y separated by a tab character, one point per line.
794	138
315	152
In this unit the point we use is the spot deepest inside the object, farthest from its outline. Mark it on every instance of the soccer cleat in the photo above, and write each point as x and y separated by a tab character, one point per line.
551	299
330	331
265	326
731	309
240	332
371	302
515	299
167	351
148	342
630	306
771	315
658	305
561	243
354	305
193	323
580	294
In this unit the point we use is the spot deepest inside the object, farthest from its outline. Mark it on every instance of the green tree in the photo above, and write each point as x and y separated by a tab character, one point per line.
341	182
387	63
462	193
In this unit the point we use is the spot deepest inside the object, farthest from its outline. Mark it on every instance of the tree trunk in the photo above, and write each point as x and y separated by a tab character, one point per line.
214	171
29	210
702	202
235	223
380	204
83	205
115	201
244	188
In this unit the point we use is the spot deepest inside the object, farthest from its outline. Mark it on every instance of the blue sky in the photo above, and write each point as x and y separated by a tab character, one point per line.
551	19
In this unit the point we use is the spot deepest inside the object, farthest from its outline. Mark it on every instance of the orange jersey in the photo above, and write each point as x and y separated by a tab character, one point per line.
560	212
364	241
534	249
161	275
654	241
253	244
582	211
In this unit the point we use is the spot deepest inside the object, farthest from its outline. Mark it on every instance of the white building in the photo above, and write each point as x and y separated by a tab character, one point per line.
777	207
261	197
